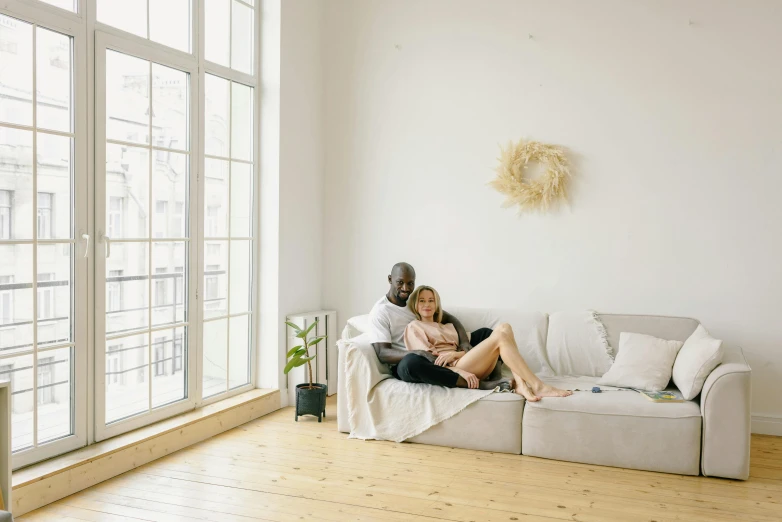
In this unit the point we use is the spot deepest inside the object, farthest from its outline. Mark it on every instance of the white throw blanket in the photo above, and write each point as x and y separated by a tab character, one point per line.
383	408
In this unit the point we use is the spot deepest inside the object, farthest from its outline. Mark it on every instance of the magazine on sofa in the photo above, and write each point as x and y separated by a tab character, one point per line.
663	396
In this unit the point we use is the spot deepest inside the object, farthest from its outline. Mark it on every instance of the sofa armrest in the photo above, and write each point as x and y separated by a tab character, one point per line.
725	407
343	423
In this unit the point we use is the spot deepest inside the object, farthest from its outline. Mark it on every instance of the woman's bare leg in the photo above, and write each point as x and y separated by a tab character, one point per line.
481	360
524	389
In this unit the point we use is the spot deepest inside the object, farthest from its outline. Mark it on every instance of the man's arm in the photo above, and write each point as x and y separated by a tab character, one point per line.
390	355
464	339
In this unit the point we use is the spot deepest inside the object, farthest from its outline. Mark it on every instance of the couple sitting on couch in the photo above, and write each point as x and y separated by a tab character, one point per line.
424	344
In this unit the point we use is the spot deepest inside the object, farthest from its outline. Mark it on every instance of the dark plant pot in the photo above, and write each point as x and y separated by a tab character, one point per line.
311	401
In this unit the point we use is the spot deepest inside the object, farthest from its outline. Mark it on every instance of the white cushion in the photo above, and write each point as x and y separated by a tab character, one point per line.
700	354
577	344
643	362
356	326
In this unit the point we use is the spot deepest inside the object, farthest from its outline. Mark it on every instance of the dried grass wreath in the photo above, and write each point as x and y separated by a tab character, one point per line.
536	193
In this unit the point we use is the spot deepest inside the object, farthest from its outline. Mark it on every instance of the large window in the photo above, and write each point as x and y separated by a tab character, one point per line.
228	243
162	270
42	341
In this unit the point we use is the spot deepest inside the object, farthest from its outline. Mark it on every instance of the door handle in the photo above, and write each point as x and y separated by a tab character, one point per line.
86	237
107	241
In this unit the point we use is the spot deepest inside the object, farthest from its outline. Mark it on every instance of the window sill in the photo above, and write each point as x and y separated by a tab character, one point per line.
53	479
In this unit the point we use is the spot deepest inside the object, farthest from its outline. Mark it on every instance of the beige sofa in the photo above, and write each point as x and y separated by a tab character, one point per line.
708	435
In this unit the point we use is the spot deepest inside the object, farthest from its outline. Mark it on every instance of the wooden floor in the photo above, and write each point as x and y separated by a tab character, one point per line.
276	469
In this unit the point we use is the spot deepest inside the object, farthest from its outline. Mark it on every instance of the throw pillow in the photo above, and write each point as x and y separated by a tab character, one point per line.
577	344
643	362
700	354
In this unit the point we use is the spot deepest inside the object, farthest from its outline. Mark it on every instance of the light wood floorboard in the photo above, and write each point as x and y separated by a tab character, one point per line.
274	469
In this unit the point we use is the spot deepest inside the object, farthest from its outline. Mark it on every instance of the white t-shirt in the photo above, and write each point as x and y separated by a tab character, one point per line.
388	322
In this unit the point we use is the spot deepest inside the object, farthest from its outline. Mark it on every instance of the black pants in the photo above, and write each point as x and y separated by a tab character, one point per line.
417	368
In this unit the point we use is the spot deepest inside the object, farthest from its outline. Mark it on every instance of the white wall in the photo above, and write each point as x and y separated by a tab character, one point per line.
673	130
292	164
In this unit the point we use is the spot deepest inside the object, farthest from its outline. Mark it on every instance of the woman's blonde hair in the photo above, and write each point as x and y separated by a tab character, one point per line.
412	303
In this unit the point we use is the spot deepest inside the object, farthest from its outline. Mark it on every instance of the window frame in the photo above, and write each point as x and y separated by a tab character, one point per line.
84	29
153	52
72	25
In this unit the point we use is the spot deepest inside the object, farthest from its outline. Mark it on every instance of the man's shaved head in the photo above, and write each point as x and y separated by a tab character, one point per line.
403	268
402	281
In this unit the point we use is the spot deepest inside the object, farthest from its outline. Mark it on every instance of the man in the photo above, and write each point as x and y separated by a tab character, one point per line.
390	316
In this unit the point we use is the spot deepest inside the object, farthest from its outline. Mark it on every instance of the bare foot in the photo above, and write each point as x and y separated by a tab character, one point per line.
520	387
544	390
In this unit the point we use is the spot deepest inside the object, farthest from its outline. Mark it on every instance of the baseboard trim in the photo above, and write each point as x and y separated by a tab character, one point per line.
51	480
765	425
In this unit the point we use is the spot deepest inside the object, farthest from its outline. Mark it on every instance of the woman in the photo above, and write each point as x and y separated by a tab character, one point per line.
428	333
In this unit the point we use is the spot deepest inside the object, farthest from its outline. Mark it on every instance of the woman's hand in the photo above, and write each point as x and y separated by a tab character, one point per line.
448	358
472	380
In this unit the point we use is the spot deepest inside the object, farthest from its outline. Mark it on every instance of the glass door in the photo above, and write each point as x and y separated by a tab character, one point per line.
43	265
145	103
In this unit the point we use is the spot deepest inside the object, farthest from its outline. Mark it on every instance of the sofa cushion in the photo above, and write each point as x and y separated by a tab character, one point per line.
529	329
643	362
576	344
614	428
673	328
356	326
700	354
490	424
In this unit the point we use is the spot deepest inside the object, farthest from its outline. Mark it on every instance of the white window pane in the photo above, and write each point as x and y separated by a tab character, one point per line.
215	357
16	298
53	85
127	179
241	199
218	31
168	368
216	198
19	370
127	98
127	376
169	23
54	394
169	185
215	278
240	276
128	15
217	116
242	24
16	71
54	294
239	351
241	122
168	284
16	179
70	5
132	259
55	176
170	108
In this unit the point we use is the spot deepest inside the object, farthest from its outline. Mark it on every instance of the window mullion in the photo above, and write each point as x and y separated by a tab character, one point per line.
35	234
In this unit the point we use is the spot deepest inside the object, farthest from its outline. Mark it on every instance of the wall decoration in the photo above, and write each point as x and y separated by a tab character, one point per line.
531	194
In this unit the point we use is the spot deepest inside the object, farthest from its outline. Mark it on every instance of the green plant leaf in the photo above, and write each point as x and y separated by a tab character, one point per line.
316	340
310	327
291	365
296	362
293	350
298	353
295	327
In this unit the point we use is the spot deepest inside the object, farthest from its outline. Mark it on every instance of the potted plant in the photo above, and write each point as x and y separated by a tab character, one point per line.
310	397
